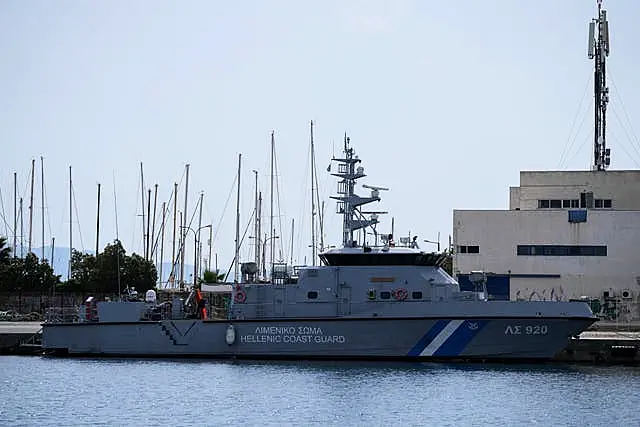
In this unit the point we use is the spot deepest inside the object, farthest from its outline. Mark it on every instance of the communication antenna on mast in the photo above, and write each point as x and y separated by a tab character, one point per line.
599	50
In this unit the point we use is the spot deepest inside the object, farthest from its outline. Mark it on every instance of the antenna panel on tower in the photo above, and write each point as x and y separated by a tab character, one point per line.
605	36
592	41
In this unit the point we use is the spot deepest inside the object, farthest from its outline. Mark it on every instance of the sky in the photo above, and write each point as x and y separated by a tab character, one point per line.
445	102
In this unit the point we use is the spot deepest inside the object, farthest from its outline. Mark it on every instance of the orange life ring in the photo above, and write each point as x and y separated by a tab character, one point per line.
240	296
400	294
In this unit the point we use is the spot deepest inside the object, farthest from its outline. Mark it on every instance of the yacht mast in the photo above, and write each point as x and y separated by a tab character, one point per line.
42	256
237	264
599	50
70	224
184	227
271	230
98	222
33	168
313	202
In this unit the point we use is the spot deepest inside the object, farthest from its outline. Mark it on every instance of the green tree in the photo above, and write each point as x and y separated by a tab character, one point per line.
111	271
5	252
212	276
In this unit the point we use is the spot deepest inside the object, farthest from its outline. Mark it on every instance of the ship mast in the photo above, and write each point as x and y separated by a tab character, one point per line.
599	50
348	200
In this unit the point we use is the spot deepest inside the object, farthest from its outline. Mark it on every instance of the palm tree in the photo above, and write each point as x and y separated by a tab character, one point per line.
5	251
212	276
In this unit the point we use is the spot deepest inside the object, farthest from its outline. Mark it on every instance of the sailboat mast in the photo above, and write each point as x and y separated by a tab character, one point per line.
196	262
271	230
184	227
599	50
175	215
291	248
237	263
164	215
98	222
21	229
42	256
33	168
144	223
70	223
256	222
15	213
147	240
153	221
313	202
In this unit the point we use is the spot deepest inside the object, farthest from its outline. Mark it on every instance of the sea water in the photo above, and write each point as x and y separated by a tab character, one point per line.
43	391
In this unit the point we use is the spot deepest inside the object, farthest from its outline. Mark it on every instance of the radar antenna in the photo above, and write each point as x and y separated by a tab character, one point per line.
599	50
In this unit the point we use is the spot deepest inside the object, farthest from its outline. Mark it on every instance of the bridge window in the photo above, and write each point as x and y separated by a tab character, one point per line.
416	295
385	295
312	295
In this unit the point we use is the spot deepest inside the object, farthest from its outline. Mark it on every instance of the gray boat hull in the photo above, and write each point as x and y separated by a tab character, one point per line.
426	338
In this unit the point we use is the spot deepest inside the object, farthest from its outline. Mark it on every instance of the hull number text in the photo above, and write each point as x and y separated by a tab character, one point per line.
526	330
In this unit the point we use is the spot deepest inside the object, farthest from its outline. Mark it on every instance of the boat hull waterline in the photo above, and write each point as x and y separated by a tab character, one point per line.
347	338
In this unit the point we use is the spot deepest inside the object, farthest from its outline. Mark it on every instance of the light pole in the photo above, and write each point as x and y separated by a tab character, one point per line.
196	240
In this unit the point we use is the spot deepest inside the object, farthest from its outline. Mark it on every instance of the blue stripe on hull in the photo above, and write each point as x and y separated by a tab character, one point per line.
459	340
428	337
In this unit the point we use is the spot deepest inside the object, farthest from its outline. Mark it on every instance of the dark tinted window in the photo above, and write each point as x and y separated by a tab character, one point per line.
606	203
312	295
385	295
543	204
555	204
561	250
416	295
473	249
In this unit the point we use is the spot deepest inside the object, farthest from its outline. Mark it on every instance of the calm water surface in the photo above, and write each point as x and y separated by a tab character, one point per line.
47	392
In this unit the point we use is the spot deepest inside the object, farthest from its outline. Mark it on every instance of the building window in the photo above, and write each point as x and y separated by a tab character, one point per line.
561	250
555	204
602	203
566	203
543	204
312	295
575	203
416	295
385	295
469	249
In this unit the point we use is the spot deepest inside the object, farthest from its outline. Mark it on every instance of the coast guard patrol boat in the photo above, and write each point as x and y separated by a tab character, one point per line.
364	302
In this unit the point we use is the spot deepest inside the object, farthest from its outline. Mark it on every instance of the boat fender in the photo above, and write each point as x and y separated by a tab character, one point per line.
230	335
240	296
401	294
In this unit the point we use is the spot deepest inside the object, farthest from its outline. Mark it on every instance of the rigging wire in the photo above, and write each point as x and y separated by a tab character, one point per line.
624	128
4	219
624	110
569	143
624	149
75	205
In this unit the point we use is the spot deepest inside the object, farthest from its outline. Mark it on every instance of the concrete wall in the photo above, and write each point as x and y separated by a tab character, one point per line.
622	187
497	233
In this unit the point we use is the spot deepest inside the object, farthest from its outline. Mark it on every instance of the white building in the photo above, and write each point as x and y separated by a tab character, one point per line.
565	235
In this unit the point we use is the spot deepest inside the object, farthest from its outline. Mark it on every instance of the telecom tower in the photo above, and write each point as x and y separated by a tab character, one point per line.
599	50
